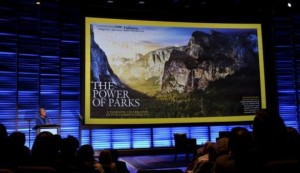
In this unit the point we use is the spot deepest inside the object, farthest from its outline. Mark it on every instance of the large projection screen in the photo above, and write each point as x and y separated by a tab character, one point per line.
156	72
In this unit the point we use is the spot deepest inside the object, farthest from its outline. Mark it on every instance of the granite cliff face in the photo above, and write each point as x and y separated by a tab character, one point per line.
100	68
156	62
206	58
213	56
145	67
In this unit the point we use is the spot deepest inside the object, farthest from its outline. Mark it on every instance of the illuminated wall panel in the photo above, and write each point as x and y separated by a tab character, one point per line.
40	64
285	36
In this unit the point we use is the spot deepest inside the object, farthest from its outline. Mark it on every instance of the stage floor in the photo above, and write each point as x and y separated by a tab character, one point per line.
145	162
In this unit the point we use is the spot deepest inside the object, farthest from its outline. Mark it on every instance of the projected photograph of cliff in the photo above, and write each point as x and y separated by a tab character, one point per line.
139	71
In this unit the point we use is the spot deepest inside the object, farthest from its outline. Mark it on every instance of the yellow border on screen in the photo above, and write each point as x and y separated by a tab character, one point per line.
215	119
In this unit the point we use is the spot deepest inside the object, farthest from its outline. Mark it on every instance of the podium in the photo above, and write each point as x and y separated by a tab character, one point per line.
52	128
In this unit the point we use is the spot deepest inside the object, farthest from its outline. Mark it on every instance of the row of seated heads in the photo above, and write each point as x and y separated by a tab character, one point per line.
48	144
270	137
50	150
270	146
269	134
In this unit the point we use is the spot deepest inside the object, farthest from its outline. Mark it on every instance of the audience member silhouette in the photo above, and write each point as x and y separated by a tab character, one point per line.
19	154
105	159
205	162
3	147
57	141
44	151
293	140
66	161
270	136
68	151
221	147
86	161
121	165
204	149
3	133
240	146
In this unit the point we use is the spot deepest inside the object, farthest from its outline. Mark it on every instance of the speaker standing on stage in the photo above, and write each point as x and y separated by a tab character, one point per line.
42	119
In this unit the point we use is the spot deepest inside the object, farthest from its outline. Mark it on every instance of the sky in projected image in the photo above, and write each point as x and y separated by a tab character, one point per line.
119	41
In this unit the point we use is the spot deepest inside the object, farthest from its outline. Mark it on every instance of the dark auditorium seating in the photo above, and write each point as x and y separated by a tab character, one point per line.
282	166
159	171
35	169
6	171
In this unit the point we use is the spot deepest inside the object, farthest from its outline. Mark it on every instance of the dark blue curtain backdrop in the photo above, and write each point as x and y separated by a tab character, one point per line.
40	56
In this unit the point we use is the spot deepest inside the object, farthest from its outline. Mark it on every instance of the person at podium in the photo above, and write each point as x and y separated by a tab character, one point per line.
42	119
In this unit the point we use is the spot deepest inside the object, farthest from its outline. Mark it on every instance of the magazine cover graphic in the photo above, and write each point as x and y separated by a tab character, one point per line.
138	71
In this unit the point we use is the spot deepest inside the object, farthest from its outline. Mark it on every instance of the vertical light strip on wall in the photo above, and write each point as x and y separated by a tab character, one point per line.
8	65
28	68
141	138
70	69
121	138
296	41
50	59
101	138
162	137
283	41
200	133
